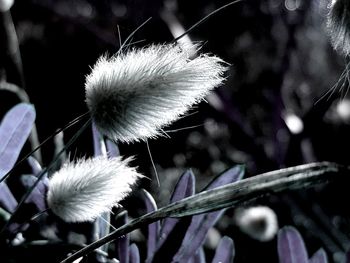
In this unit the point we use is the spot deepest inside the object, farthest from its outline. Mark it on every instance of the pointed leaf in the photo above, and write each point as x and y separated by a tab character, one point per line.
319	257
37	196
7	200
153	229
199	257
35	165
134	254
200	225
185	187
291	247
225	251
231	175
14	131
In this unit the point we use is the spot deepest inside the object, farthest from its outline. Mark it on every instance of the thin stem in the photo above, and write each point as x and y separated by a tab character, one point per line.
153	165
8	36
206	18
132	34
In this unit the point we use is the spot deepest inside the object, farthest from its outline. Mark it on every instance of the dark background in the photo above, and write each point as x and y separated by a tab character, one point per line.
282	64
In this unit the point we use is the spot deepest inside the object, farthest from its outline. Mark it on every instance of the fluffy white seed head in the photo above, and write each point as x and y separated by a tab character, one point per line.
258	222
338	23
132	95
83	190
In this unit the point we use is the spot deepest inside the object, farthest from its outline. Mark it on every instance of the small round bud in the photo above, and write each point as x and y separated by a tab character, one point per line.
258	222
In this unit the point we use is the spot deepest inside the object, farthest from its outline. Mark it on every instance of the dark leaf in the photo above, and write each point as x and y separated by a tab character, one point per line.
225	251
200	225
134	254
153	229
185	187
291	247
319	257
14	131
166	252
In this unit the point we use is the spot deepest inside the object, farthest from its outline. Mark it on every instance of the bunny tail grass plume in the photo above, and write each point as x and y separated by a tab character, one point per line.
83	190
258	222
132	95
338	23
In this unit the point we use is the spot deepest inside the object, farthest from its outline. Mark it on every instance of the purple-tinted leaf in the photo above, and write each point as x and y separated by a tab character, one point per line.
112	149
225	251
134	254
37	196
200	224
291	247
123	241
185	187
230	176
153	229
7	200
35	165
99	144
319	257
199	257
14	131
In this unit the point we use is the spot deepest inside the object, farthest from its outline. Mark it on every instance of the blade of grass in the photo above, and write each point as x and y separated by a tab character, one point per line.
229	195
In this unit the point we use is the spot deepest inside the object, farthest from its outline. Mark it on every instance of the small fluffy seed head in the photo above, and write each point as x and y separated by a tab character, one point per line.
258	222
132	95
338	23
83	190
